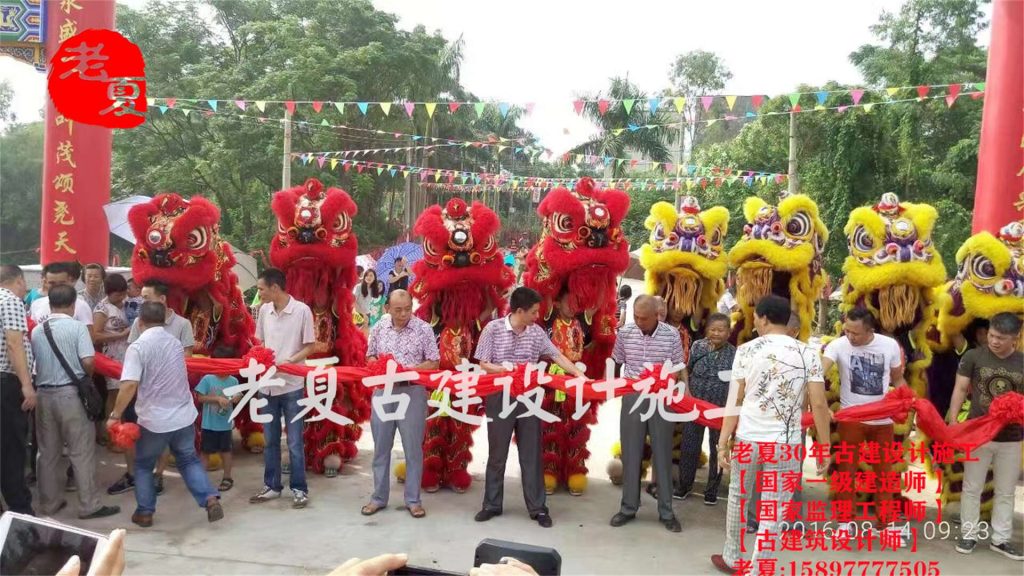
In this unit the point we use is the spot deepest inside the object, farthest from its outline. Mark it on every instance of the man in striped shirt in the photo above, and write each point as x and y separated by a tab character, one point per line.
516	339
647	341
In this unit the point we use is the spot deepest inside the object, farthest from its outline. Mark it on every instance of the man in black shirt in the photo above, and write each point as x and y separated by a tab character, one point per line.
985	372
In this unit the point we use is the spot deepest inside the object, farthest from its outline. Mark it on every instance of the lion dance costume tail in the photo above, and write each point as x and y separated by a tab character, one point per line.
576	267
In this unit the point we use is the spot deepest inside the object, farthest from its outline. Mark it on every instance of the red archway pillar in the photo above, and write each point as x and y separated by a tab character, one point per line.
76	157
1000	187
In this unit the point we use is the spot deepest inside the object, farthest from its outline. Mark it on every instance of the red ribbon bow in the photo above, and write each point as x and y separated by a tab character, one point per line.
124	434
660	383
1008	408
261	354
379	367
519	384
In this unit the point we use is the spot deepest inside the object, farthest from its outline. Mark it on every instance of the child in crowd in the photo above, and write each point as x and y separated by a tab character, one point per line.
215	436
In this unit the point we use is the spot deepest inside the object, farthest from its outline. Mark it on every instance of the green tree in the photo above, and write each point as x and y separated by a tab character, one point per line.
21	172
924	151
692	75
617	138
6	99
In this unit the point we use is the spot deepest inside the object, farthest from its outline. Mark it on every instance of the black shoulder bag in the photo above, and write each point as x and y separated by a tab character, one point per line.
87	392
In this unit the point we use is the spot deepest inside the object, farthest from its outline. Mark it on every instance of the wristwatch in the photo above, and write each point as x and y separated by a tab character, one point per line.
114	416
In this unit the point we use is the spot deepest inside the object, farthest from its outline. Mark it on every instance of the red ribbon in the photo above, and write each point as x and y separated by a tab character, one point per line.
1006	409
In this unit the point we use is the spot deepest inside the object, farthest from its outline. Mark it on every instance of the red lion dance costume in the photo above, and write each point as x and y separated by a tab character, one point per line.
178	243
582	251
316	249
461	279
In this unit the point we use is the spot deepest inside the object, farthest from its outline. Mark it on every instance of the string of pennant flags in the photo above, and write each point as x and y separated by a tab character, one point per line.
318	106
464	144
627	185
604	104
796	109
491	140
950	97
757	100
693	176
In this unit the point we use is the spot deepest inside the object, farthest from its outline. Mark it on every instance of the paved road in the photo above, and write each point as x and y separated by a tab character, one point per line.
273	539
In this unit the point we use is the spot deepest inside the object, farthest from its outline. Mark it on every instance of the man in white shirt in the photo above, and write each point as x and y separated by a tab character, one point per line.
772	376
60	274
154	366
868	363
181	330
285	326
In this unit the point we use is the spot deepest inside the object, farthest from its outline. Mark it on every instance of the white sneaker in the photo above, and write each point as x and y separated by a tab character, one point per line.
299	499
266	494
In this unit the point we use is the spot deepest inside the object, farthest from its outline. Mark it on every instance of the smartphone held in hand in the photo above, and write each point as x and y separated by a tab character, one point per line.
31	546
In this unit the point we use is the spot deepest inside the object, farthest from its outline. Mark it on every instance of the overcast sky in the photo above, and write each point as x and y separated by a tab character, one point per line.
550	51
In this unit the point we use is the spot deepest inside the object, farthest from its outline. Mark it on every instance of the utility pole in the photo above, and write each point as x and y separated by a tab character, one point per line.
793	184
679	158
406	219
286	159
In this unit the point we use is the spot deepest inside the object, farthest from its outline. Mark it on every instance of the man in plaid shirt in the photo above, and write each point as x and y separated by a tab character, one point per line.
516	339
17	396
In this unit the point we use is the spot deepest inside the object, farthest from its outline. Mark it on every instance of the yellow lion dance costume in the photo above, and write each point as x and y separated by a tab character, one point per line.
989	280
780	253
685	263
892	270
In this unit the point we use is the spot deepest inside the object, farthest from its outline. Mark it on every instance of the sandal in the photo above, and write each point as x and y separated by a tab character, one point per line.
417	511
226	484
370	509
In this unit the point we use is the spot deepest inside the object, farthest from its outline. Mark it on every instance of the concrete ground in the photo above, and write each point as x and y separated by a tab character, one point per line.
274	539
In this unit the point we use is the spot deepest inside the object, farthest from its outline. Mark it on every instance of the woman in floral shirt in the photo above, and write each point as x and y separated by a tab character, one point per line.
710	362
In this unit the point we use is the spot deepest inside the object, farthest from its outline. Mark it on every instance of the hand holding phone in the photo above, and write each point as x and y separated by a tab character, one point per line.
376	566
110	561
33	546
506	567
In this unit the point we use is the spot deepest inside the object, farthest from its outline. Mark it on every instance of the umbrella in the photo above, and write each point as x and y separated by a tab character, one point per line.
117	221
366	261
410	251
117	216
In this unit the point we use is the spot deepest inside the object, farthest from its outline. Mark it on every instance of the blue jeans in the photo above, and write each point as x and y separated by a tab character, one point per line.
283	406
182	443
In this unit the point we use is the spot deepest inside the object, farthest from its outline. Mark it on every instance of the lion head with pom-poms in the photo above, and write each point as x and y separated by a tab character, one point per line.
582	250
316	248
892	270
989	280
178	243
462	273
685	262
780	253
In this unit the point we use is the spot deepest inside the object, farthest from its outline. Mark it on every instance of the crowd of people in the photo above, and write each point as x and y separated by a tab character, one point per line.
774	380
